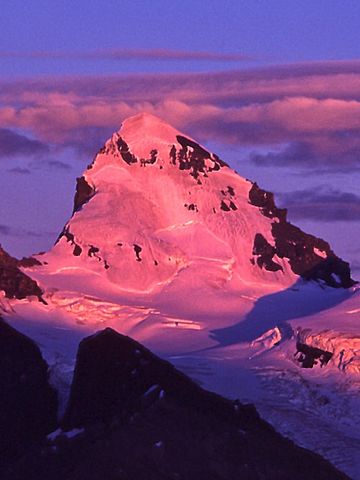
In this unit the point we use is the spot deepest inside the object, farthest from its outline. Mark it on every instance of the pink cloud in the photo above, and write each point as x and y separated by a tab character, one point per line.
319	80
317	105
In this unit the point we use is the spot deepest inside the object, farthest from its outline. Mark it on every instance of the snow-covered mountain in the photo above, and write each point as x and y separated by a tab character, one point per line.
169	245
155	208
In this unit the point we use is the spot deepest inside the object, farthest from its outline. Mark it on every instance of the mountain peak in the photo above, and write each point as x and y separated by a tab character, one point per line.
143	120
145	139
144	127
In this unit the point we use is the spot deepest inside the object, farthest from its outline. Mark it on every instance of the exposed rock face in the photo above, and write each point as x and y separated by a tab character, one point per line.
193	157
13	281
309	256
70	238
309	356
127	156
28	262
265	253
28	403
265	201
83	193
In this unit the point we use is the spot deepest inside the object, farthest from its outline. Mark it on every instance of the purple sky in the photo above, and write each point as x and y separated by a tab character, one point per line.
273	86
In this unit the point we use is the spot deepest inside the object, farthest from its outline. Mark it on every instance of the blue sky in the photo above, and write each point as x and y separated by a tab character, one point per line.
268	31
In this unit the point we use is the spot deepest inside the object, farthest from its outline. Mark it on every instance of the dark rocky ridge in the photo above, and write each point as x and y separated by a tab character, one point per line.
115	375
143	419
124	150
14	282
70	238
265	253
265	201
192	157
297	246
28	262
83	193
28	404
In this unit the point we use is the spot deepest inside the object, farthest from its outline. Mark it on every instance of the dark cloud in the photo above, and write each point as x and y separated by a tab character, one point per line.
295	153
57	165
332	152
10	231
5	230
130	54
51	164
14	144
323	204
19	171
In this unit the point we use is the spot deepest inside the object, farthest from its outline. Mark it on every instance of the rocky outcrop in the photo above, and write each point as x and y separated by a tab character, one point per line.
193	157
133	416
309	256
265	253
265	201
83	194
28	262
320	347
28	403
14	282
70	238
309	356
125	153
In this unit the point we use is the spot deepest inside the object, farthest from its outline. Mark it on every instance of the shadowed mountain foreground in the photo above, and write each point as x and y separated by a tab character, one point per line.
134	416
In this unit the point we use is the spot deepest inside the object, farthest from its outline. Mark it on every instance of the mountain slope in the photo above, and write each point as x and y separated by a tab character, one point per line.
154	205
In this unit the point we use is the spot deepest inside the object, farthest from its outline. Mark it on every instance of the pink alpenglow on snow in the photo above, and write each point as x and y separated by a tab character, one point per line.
155	207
